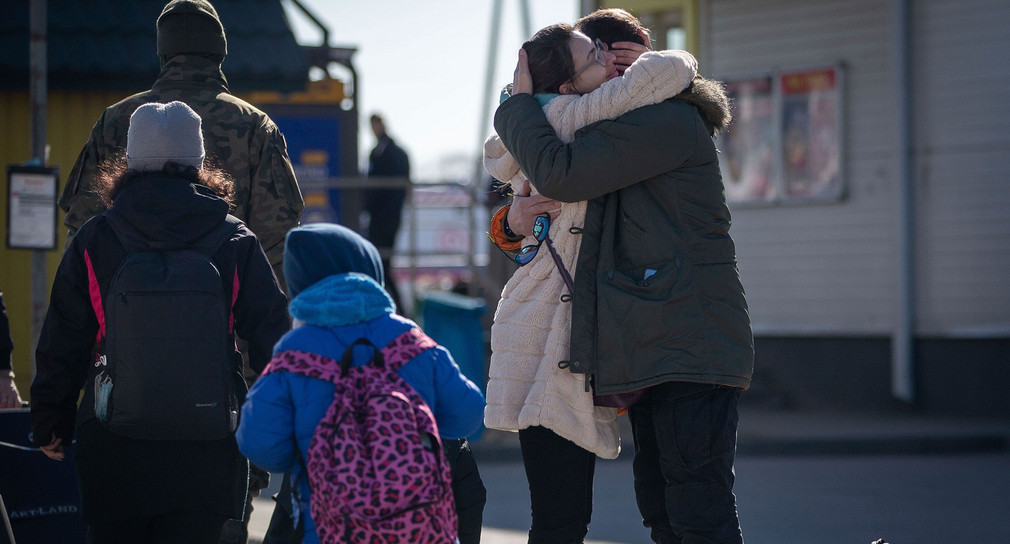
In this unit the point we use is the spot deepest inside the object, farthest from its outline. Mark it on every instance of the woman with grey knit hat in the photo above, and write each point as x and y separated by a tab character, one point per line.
175	480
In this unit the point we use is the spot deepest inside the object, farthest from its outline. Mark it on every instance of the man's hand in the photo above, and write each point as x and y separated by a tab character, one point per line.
522	81
525	208
628	52
54	450
9	397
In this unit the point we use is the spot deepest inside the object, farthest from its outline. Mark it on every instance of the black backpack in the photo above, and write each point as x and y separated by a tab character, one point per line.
170	368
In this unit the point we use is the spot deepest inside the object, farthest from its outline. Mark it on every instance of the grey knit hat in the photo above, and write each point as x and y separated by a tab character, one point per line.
162	133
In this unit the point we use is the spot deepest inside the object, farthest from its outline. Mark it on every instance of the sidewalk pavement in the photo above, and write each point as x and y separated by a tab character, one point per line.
764	431
770	432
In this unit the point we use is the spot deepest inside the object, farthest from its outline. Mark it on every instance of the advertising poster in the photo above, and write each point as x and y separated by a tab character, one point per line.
748	147
811	133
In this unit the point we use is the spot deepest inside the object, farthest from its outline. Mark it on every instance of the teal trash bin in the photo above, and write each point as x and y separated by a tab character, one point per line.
454	321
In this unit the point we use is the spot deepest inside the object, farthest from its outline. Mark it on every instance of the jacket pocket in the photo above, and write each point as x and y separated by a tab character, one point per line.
648	310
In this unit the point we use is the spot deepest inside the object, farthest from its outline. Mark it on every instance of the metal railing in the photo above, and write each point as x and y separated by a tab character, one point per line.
466	256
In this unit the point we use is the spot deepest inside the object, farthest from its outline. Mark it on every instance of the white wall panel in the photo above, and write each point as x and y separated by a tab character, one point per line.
830	268
820	269
961	111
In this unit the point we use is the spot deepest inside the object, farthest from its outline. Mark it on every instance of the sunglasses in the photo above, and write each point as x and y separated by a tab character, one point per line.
540	228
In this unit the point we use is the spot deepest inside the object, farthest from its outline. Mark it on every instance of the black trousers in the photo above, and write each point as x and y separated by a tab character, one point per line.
685	444
560	476
468	489
171	528
385	209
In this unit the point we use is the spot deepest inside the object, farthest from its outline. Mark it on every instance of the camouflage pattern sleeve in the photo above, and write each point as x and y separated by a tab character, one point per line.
275	200
79	199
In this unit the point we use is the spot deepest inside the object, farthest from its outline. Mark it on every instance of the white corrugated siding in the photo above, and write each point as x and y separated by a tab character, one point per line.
961	110
830	268
820	268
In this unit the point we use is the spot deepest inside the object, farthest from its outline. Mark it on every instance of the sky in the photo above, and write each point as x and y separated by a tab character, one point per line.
423	65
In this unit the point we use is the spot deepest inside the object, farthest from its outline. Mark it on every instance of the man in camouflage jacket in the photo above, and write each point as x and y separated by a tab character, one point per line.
240	139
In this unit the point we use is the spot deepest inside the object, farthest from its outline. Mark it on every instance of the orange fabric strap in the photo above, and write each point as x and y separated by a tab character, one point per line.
497	232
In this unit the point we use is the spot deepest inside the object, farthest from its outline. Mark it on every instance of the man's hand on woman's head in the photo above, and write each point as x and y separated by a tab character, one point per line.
522	81
628	52
525	208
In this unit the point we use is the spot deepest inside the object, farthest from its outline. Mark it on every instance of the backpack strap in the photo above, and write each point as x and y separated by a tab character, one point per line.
398	352
95	294
347	360
402	349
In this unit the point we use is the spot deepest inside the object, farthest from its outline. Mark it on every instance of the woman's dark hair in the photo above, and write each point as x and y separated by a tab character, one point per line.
611	25
113	176
550	58
709	96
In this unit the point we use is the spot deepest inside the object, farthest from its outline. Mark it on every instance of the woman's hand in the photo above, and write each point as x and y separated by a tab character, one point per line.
522	81
54	449
628	52
525	208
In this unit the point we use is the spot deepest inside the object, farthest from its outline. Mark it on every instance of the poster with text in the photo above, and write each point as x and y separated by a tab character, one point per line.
811	133
31	207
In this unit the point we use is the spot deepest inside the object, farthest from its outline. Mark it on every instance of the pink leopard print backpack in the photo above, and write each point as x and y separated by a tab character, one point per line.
375	464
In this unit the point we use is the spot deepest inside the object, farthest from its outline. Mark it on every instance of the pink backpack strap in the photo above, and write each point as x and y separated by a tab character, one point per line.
96	297
397	353
304	363
405	347
234	298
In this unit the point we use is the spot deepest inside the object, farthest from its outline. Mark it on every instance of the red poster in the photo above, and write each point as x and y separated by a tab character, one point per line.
811	133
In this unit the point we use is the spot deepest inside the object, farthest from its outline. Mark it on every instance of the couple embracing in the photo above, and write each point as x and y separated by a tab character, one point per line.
628	298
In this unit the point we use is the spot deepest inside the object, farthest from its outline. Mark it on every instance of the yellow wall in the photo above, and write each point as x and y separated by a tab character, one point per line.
70	117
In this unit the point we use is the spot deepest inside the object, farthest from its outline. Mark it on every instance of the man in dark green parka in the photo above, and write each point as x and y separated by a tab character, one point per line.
658	305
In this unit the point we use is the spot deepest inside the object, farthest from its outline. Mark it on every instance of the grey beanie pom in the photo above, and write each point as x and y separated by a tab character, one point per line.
162	133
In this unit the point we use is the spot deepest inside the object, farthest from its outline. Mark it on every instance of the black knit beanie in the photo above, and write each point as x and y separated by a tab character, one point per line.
190	26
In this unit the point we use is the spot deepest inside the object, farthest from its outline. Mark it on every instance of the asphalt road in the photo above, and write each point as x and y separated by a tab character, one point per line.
803	499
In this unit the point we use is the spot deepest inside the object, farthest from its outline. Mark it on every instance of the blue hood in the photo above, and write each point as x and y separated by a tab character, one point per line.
341	299
317	251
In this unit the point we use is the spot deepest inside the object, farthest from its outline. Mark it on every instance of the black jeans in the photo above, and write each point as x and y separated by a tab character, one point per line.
560	476
468	489
171	528
685	443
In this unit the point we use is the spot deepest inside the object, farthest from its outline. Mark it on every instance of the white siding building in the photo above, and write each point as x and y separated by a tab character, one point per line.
895	285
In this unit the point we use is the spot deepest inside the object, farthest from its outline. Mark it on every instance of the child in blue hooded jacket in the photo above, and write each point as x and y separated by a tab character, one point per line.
335	277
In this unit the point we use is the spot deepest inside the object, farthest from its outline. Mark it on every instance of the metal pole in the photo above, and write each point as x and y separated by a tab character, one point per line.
37	93
489	85
524	15
903	338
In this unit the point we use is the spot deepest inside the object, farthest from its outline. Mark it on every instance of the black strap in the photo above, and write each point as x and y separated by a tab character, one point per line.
348	357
